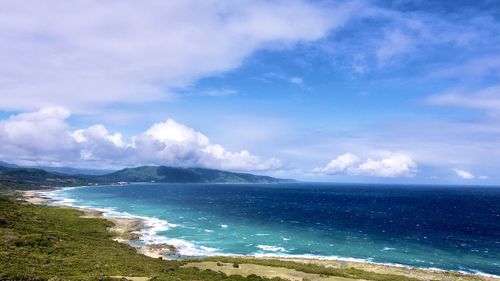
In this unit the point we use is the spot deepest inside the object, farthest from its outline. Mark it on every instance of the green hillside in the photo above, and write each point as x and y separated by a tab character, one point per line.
30	178
184	175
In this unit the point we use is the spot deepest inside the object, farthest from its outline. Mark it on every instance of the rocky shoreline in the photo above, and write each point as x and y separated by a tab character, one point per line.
126	230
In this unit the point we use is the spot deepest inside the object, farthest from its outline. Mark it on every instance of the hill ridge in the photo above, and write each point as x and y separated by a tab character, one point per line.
36	178
186	175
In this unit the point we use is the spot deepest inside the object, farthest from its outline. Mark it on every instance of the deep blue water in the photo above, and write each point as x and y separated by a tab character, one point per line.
455	228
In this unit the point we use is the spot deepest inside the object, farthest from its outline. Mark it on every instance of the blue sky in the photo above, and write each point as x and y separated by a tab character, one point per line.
398	91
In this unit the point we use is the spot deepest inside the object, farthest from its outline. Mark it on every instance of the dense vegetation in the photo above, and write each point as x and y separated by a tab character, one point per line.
31	178
184	175
40	243
12	177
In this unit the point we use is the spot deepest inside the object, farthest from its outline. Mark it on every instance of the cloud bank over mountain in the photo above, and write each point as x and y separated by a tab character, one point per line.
45	138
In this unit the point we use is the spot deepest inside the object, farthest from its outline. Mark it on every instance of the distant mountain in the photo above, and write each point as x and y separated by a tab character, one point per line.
184	175
74	171
33	178
61	170
8	165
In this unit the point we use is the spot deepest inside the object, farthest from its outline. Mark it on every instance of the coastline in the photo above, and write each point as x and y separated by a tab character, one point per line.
128	230
125	230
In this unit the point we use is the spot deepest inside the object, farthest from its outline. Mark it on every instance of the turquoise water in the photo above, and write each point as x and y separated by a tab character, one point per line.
453	228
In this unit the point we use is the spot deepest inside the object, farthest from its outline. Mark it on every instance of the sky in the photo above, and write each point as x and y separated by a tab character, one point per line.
401	91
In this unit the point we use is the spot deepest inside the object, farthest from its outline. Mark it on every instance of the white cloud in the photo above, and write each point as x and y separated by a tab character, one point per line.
83	55
485	99
395	165
405	35
464	174
217	92
44	138
175	144
97	132
341	164
294	80
44	134
476	67
297	80
390	166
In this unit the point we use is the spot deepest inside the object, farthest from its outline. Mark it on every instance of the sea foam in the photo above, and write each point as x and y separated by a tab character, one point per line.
149	233
271	248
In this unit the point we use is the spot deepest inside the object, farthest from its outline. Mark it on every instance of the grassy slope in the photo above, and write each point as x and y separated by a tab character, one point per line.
39	243
351	273
246	269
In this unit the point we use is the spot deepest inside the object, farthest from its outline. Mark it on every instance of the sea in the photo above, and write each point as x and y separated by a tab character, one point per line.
441	227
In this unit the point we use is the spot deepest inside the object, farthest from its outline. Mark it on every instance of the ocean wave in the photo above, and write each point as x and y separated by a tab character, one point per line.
271	248
56	198
149	233
361	260
185	248
316	257
477	272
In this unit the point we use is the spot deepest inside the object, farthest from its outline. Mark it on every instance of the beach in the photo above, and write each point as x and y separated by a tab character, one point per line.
128	231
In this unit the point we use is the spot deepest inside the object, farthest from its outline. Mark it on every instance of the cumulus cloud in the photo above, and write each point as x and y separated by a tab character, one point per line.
464	174
342	164
44	137
95	53
43	133
390	166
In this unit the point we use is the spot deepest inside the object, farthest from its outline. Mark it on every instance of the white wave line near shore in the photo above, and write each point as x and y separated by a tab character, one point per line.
149	229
